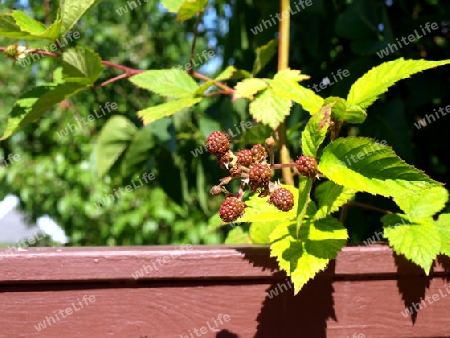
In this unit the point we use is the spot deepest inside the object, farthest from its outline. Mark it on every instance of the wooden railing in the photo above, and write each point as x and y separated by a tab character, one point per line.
216	292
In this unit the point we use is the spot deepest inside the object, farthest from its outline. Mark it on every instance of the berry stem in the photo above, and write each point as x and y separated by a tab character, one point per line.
283	165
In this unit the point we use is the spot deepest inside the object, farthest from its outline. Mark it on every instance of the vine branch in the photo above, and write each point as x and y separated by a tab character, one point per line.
129	72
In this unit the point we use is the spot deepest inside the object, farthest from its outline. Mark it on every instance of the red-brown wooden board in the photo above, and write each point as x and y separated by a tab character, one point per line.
362	294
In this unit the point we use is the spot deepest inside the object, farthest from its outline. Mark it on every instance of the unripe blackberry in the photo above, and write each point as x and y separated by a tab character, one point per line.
224	159
231	209
245	157
282	199
270	142
236	171
216	190
307	166
259	177
217	143
259	153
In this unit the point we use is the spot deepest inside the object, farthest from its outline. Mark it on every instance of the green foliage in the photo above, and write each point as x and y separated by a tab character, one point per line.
164	134
315	131
375	82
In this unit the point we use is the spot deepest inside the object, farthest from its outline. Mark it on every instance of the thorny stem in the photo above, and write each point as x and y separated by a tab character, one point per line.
283	63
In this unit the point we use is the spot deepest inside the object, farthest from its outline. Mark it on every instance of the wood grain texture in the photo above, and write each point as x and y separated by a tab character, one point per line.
362	294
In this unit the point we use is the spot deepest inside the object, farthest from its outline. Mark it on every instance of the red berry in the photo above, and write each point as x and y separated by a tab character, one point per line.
231	209
282	199
245	157
307	166
259	153
217	143
259	176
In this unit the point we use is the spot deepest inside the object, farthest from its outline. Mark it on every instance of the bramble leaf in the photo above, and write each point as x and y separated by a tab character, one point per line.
375	169
166	82
331	197
81	64
115	137
28	24
303	257
316	130
263	55
291	90
291	75
270	109
443	225
36	102
237	235
151	114
258	210
420	243
190	8
425	204
172	5
342	112
247	88
9	29
72	11
376	81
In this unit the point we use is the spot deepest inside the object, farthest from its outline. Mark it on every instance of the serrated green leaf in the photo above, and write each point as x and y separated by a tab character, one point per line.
237	236
166	82
302	258
331	197
417	242
137	153
151	114
9	29
36	102
226	74
443	225
342	112
375	169
72	11
376	81
190	8
260	232
425	204
291	90
172	5
270	109
259	210
247	88
263	55
115	137
28	24
52	31
290	75
316	130
81	64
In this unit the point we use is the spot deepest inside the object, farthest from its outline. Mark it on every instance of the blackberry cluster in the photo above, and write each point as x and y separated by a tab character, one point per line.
282	199
252	167
307	166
